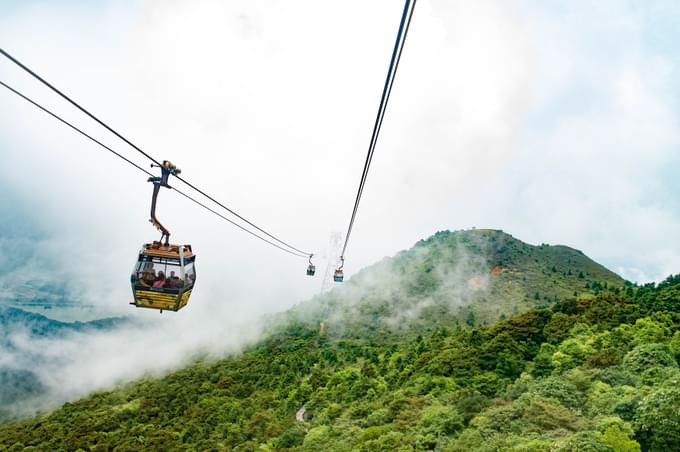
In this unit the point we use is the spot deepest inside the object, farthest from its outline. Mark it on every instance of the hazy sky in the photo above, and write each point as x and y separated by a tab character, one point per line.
554	121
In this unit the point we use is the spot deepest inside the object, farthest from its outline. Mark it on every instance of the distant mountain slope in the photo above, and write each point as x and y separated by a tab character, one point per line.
39	325
475	276
19	362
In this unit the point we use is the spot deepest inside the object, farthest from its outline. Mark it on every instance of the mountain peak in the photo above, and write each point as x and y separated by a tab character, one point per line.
473	276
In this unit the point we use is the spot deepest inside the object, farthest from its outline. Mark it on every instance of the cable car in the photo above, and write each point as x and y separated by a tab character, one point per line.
164	274
311	269
338	276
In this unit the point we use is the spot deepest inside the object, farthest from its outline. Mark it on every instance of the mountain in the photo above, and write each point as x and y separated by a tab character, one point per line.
476	276
591	372
19	381
38	325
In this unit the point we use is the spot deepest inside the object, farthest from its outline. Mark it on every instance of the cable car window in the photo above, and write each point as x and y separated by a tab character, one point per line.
158	272
189	274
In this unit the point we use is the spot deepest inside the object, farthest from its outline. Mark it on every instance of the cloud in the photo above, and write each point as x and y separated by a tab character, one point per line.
69	365
551	121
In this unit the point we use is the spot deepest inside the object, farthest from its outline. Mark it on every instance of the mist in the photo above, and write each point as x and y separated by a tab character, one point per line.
503	115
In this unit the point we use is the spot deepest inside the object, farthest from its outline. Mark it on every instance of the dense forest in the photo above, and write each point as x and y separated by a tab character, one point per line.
597	371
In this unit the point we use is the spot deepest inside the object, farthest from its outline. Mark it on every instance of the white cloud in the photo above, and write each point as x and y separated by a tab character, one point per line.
553	122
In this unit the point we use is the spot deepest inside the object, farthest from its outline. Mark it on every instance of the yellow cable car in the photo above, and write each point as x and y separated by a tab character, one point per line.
164	274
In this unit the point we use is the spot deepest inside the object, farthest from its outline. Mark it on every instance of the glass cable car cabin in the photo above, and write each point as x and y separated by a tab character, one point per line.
311	268
338	276
164	274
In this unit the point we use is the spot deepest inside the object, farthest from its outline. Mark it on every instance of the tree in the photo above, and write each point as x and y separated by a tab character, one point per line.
471	320
585	442
620	440
440	420
657	420
646	356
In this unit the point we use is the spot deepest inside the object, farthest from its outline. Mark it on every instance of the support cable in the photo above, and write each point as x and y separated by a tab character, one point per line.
65	122
387	90
78	106
91	138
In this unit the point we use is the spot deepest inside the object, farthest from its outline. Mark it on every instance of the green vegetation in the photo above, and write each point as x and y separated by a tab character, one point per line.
593	373
441	280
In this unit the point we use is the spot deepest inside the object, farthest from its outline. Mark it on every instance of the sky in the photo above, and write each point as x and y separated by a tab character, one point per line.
554	121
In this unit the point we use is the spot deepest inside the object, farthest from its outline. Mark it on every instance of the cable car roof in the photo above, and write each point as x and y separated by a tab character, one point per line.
159	250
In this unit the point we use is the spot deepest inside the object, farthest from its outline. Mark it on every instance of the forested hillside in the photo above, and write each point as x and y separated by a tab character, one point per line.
594	371
475	277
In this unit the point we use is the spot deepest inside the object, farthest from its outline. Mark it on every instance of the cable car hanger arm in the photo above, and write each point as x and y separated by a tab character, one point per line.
167	169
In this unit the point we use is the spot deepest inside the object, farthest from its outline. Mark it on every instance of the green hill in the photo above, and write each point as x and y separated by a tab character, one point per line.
476	276
587	373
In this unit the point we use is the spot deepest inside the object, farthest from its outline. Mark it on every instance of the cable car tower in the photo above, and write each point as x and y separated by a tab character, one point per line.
334	247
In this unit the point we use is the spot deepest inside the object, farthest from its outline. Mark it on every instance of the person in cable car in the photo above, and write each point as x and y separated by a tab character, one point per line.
173	282
160	281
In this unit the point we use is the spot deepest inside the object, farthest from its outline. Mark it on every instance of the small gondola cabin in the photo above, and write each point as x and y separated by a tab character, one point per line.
163	276
338	276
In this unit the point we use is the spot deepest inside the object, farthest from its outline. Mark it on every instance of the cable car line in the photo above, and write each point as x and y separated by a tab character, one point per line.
387	90
382	117
91	138
57	117
74	103
241	227
303	253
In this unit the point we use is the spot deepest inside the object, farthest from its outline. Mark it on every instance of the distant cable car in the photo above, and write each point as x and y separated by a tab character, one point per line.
311	269
164	274
338	276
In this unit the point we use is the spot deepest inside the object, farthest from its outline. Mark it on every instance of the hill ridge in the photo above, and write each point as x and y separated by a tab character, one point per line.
452	274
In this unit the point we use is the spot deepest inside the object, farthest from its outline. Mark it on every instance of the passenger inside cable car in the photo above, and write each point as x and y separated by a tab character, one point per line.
145	274
161	279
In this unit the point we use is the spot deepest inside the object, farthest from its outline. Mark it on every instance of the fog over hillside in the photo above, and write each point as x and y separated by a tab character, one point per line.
556	122
447	278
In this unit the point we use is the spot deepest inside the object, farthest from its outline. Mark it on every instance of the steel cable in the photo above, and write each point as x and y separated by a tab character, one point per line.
74	103
90	137
387	90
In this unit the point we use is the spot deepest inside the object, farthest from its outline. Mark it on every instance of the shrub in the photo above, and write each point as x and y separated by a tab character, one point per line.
646	356
658	420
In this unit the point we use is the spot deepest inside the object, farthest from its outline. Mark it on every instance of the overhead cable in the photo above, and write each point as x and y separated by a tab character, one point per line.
387	90
91	138
211	198
63	121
